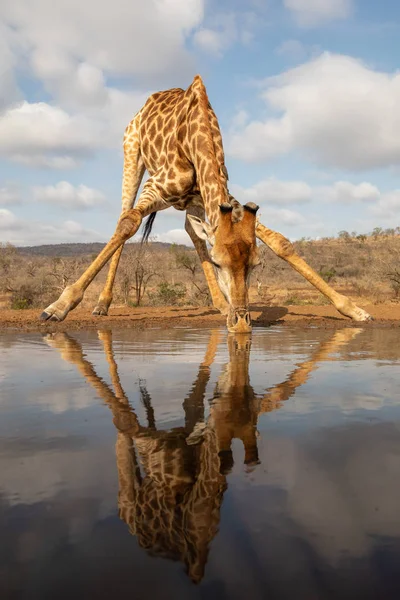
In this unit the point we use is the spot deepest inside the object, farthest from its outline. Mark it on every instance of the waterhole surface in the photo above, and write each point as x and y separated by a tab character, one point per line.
193	464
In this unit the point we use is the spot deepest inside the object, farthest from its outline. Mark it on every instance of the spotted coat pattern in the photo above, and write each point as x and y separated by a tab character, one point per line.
176	138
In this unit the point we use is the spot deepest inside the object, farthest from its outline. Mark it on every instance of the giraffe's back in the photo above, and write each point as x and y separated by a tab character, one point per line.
169	126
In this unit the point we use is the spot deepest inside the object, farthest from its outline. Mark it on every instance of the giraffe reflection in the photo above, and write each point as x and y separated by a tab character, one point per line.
171	483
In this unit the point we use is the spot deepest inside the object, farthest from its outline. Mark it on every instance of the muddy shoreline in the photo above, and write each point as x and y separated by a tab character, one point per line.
385	315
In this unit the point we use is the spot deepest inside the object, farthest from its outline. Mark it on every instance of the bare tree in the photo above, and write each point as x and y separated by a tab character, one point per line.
64	270
387	266
139	266
188	259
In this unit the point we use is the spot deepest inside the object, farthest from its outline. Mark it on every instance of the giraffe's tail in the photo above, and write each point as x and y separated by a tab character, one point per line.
148	226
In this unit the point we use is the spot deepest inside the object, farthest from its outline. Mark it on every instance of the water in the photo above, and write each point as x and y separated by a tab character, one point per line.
193	464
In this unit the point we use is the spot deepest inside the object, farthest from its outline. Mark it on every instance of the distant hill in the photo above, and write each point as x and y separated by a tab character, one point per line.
64	250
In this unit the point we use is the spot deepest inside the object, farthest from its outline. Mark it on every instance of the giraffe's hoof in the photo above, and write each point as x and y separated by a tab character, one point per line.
362	316
251	465
100	311
48	317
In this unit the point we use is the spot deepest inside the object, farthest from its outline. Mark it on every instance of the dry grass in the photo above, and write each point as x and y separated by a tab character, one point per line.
367	268
362	267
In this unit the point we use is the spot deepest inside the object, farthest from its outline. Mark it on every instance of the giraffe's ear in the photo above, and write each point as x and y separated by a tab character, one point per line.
203	230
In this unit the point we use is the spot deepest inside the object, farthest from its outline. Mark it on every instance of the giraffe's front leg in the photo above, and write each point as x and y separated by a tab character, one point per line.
284	249
127	226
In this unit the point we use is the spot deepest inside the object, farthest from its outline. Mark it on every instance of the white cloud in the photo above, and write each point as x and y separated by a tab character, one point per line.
241	118
216	41
346	192
334	109
274	191
120	38
42	135
275	217
311	13
74	49
29	133
8	221
8	86
64	194
73	84
211	41
274	196
22	232
388	207
78	51
174	236
224	31
291	49
10	195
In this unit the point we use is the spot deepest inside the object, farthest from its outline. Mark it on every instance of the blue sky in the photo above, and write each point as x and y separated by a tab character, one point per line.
307	93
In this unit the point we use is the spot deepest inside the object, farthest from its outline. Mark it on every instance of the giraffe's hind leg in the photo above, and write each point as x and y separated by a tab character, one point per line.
105	297
284	249
132	176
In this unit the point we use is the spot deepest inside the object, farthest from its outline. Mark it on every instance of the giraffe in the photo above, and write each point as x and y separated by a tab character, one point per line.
177	139
174	507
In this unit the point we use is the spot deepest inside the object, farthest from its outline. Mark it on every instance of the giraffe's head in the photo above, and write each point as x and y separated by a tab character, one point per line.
234	254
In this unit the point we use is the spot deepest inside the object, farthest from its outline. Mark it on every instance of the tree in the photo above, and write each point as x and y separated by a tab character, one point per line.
362	237
188	260
344	235
376	232
8	253
137	269
64	270
387	266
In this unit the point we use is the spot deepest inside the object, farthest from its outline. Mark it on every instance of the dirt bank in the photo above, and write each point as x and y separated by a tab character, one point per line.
385	315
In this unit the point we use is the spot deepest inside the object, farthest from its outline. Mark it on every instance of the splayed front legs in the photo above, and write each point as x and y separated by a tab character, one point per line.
285	250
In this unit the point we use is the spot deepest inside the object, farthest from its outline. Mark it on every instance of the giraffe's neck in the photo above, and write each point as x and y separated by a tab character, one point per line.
213	190
235	376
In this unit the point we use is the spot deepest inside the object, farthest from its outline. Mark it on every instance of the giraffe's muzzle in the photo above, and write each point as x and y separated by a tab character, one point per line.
239	321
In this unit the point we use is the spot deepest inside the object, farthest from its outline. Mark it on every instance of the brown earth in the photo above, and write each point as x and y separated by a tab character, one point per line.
385	315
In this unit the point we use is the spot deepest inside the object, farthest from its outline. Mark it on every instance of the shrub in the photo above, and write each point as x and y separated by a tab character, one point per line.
22	298
327	274
168	293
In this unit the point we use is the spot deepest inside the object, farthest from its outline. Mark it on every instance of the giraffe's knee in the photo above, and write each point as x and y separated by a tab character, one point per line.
129	223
